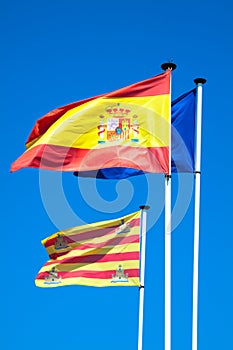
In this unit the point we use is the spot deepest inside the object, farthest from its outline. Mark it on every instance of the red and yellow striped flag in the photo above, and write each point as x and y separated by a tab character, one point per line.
126	128
101	254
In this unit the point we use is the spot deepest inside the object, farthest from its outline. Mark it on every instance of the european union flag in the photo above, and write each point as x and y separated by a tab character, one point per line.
183	132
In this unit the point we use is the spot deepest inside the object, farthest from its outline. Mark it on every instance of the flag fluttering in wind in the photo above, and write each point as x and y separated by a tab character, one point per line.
182	142
101	254
127	128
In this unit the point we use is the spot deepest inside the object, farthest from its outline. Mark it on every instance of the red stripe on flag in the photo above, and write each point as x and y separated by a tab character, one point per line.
109	243
51	157
89	259
158	85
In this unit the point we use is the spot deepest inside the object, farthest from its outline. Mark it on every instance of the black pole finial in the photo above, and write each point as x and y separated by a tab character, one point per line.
199	81
144	207
168	65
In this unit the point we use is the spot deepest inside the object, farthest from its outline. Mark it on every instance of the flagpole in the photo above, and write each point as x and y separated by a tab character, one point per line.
197	171
167	288
143	208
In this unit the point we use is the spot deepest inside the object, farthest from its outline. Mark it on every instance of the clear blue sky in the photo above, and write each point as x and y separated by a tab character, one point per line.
57	52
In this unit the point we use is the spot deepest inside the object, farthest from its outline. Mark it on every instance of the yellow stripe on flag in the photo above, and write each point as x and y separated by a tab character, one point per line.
78	127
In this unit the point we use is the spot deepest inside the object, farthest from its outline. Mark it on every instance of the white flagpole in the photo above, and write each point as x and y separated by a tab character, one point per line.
142	273
197	171
167	288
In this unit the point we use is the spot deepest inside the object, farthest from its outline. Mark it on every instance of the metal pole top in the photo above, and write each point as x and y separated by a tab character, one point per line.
144	207
199	81
168	65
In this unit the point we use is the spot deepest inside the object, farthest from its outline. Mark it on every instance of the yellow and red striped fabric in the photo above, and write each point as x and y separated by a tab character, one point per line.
128	128
101	254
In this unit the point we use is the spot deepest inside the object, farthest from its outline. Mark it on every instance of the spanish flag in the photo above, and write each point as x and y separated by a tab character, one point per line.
101	254
127	128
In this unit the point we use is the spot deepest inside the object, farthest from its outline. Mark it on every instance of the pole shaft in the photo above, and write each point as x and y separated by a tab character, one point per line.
142	278
167	247
197	216
167	332
196	262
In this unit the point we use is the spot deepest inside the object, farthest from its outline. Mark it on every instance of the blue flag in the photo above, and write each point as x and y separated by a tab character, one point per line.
183	132
182	142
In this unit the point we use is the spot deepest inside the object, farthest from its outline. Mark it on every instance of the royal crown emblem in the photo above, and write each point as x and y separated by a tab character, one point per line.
123	228
120	276
52	277
60	242
118	123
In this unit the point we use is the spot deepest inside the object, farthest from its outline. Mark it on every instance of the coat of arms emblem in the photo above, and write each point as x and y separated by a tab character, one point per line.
118	124
60	242
120	276
52	277
123	228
